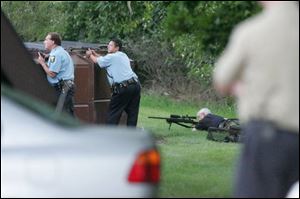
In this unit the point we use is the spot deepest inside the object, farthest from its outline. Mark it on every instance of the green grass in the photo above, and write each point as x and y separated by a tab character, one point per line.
192	166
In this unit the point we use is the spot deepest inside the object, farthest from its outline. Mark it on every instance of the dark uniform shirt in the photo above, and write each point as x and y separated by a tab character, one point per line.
209	120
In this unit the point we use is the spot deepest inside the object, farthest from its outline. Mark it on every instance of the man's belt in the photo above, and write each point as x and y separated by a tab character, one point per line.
125	83
69	82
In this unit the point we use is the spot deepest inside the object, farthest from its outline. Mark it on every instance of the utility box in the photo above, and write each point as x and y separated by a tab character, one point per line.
92	90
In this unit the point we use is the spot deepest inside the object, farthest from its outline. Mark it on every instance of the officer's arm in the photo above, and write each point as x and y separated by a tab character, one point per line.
41	61
94	58
48	72
200	125
91	54
96	54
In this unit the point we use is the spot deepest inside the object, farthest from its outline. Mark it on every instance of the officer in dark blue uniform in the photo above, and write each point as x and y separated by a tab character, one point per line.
206	120
60	72
124	82
210	120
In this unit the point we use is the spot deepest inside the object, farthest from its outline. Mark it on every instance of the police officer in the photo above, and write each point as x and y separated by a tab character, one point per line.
207	119
60	71
124	82
261	66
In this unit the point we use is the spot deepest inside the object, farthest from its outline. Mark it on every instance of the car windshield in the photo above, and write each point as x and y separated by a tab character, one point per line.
39	107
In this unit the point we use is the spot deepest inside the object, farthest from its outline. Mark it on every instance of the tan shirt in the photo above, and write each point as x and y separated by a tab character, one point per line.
263	54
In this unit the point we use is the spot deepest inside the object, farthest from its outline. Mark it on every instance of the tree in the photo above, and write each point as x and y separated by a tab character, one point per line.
200	30
96	21
33	19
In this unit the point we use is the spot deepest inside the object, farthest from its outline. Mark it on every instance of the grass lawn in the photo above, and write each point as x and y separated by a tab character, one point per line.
192	166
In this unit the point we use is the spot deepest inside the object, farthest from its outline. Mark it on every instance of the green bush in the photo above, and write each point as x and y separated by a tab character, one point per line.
200	30
32	19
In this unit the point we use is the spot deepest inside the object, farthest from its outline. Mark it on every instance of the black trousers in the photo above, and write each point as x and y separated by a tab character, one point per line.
269	162
68	105
125	99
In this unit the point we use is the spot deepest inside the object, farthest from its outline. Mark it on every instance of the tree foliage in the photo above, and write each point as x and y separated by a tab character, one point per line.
31	18
104	19
85	20
200	30
209	21
189	34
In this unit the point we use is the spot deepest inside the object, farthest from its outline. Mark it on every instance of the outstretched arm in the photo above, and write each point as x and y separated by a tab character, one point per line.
42	62
91	54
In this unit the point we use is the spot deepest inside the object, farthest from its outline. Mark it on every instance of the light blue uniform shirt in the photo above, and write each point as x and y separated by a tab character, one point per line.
117	66
61	63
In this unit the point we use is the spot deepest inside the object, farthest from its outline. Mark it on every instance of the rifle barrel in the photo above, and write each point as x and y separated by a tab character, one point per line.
182	120
174	117
176	120
159	117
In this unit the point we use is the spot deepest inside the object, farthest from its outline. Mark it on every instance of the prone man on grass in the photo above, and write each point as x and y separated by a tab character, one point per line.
207	119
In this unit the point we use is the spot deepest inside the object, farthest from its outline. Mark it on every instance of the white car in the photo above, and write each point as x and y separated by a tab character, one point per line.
43	155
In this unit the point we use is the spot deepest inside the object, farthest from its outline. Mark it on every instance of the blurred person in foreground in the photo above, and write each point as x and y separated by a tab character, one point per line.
260	66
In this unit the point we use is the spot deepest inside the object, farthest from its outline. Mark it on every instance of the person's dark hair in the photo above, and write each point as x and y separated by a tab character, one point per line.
55	37
117	42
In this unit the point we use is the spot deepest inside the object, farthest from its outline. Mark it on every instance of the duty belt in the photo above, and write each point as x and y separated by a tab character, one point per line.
125	83
64	83
68	82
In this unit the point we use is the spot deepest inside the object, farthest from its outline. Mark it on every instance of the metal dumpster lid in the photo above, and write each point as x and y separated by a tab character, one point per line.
67	45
